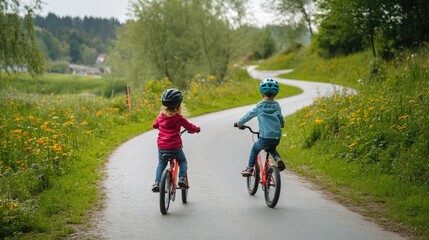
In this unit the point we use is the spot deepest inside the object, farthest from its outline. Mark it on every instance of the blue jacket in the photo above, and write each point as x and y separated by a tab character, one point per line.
270	119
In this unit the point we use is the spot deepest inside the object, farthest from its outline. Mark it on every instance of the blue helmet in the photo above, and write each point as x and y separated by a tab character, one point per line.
269	87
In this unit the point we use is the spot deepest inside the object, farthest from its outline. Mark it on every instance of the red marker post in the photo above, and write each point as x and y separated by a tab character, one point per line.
128	92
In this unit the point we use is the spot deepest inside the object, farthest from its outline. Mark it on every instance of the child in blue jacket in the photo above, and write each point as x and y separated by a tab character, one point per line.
270	120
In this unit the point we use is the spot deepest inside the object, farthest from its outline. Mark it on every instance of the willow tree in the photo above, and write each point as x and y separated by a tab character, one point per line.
19	50
179	39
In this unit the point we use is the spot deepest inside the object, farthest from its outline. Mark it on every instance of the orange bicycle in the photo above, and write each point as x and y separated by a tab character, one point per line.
168	184
265	174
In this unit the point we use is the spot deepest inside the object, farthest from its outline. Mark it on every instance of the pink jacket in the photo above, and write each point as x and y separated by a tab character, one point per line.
169	130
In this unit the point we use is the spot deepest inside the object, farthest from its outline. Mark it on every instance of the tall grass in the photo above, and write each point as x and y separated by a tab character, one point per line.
372	147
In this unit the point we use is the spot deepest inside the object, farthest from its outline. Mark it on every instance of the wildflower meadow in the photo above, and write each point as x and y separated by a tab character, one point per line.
372	146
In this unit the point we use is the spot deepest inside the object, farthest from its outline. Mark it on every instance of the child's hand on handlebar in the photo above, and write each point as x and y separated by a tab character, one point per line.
238	126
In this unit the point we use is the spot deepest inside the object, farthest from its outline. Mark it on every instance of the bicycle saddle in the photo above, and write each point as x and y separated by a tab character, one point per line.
168	156
270	148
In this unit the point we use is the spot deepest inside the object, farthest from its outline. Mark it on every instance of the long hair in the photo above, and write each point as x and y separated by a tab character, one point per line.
180	109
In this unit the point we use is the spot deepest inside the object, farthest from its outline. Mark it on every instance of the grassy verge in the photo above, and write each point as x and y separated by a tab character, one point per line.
54	146
65	84
370	150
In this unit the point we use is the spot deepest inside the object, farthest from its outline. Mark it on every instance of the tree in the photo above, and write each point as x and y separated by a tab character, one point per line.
383	25
88	55
180	39
71	35
19	50
339	32
294	11
55	48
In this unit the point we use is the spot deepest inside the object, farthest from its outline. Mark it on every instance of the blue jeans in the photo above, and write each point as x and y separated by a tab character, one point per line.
181	159
261	144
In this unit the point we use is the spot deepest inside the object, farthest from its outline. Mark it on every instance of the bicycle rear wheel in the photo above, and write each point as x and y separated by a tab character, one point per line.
253	181
185	192
165	189
272	186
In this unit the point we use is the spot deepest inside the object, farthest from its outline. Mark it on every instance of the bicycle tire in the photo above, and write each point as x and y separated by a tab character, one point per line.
165	189
253	181
272	186
185	192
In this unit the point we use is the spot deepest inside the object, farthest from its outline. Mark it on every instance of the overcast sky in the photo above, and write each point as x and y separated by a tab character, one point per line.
119	9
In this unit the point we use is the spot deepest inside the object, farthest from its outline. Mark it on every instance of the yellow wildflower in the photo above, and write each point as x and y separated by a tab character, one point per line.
318	121
353	145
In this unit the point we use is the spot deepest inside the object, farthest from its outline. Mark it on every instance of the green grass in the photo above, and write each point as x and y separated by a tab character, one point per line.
53	147
64	84
370	150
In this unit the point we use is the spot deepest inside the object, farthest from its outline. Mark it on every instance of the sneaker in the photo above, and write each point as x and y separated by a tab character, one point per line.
280	165
155	187
247	172
182	182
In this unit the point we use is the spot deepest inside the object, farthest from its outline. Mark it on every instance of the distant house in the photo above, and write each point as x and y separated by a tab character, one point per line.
84	70
100	59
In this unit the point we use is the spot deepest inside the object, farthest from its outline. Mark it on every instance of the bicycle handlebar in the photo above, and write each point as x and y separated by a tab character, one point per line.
181	132
244	127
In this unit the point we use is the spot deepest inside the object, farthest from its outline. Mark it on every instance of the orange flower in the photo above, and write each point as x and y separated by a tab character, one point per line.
17	131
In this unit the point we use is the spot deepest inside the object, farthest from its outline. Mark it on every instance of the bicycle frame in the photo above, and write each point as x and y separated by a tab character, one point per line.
174	171
263	167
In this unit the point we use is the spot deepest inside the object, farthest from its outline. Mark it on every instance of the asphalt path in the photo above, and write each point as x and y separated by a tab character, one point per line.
219	206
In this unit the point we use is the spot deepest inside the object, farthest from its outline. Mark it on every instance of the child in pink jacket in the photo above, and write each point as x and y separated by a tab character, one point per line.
169	123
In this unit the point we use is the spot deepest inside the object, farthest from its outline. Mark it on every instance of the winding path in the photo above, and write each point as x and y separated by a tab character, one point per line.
219	206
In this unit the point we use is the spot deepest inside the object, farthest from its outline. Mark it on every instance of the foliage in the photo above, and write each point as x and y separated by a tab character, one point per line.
348	26
379	136
267	46
285	60
299	11
19	51
74	39
178	40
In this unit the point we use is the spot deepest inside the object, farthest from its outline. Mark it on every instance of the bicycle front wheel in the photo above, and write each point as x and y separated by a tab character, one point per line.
253	181
165	191
272	186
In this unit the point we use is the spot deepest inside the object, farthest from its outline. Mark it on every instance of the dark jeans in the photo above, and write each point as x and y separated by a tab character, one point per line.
181	159
261	144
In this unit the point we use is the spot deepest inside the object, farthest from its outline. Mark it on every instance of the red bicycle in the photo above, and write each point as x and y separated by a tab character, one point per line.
265	174
168	184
